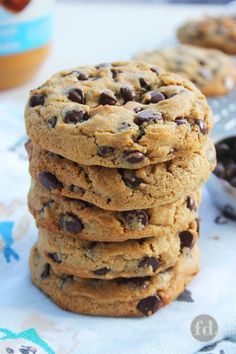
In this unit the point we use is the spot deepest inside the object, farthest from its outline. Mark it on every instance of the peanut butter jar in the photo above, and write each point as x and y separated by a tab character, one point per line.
25	37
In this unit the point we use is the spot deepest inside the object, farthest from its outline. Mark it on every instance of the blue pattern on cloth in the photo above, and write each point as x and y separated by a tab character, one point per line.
6	233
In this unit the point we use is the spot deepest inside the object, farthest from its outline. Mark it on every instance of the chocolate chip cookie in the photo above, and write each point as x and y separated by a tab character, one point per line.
211	32
85	221
139	296
212	71
121	189
108	260
120	115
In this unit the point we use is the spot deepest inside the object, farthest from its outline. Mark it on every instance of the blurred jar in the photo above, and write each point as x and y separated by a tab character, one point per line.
25	35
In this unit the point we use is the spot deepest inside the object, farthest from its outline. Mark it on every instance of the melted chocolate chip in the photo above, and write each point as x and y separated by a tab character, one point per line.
181	121
191	204
114	73
186	239
55	257
36	100
136	281
52	122
147	116
133	156
74	117
130	179
149	305
149	261
49	181
76	95
82	76
202	126
46	271
46	206
105	151
107	98
71	223
155	97
101	271
127	94
134	219
144	84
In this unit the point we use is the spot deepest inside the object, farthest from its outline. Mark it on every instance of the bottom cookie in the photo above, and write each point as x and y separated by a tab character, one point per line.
140	296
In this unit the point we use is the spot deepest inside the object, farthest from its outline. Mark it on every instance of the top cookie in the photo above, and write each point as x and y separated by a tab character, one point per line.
212	71
125	114
211	32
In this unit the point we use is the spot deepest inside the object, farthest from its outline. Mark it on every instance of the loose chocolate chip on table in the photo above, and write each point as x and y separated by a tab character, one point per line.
52	122
149	305
36	100
127	94
76	95
71	223
46	271
107	98
144	84
181	121
134	219
186	239
155	97
133	156
220	220
130	179
101	271
149	261
55	257
147	116
74	117
105	151
229	212
49	181
223	151
202	126
219	171
82	76
191	204
136	281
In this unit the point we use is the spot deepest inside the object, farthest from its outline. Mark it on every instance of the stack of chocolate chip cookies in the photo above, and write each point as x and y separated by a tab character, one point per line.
118	154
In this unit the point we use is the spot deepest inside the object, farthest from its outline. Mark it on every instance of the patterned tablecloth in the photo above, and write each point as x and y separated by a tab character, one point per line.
31	323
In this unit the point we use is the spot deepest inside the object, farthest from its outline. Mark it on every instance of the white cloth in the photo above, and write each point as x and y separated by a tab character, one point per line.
31	323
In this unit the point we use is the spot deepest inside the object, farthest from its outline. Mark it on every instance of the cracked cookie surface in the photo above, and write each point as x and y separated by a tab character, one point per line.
139	296
123	115
121	189
212	71
85	221
109	260
211	32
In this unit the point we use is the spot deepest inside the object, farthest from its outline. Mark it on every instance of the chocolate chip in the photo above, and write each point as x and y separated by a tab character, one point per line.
55	257
223	151
229	212
91	245
219	171
134	219
105	151
52	122
101	271
130	179
202	126
233	182
46	271
136	281
82	76
149	305
181	121
133	156
127	94
198	221
102	65
147	116
36	100
107	98
230	171
191	204
114	73
149	261
155	97
49	181
76	189
71	223
137	109
156	70
76	95
46	205
220	220
74	117
144	84
186	239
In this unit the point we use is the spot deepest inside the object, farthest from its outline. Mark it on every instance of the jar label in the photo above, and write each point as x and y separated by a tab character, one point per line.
24	25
